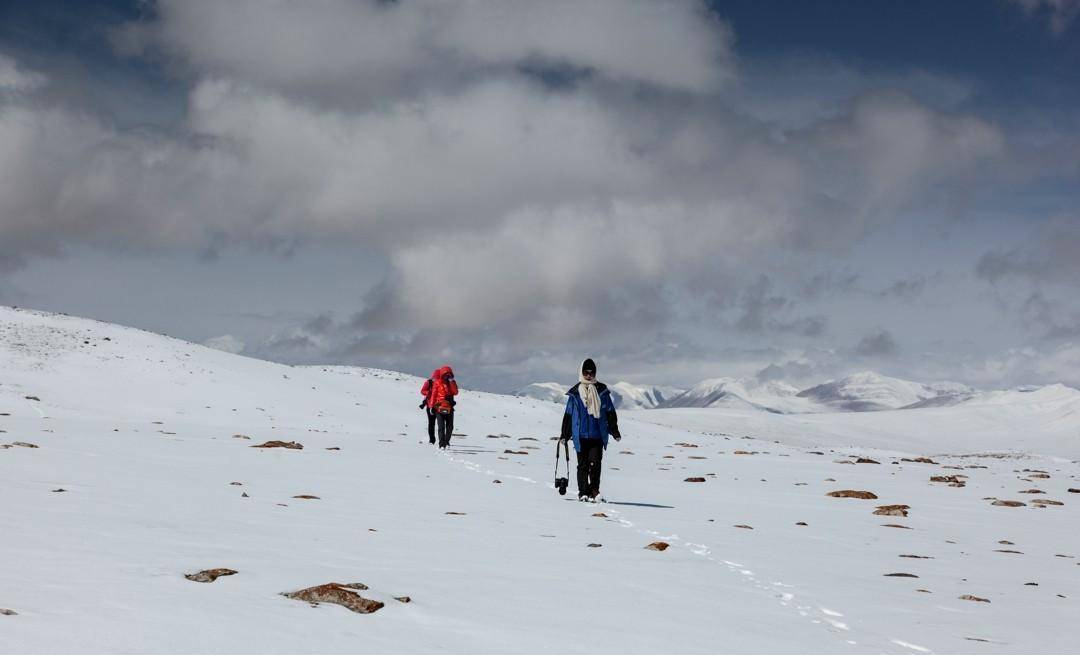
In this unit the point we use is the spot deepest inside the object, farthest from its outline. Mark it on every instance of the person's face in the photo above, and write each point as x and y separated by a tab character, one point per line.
588	375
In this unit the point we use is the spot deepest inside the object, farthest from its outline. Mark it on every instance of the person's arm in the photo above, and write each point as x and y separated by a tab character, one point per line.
452	386
612	418
567	422
426	389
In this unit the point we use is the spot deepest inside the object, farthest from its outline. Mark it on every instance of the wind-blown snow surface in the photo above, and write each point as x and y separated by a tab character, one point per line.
139	430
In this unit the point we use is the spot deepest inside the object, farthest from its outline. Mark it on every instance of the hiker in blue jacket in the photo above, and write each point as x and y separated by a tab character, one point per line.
589	419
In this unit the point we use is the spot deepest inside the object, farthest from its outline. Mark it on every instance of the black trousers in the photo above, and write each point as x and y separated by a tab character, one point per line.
430	425
446	428
588	466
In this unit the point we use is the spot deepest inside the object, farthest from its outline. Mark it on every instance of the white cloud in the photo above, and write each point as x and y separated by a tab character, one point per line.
1060	14
226	343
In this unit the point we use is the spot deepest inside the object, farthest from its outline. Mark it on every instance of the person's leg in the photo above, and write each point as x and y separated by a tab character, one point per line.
583	471
596	455
449	427
444	439
430	425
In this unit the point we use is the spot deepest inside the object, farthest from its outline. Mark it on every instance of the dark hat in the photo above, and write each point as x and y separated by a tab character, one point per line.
588	365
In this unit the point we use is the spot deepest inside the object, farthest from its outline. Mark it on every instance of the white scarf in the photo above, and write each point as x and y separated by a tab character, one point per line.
587	390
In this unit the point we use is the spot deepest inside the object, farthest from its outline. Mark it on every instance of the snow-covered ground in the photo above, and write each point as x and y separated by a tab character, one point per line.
141	433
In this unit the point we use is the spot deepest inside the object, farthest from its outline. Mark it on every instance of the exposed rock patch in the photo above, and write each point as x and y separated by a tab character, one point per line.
974	598
918	460
338	594
1008	503
892	510
852	493
403	599
658	545
209	575
900	575
307	497
23	444
744	527
7	612
866	460
291	445
696	479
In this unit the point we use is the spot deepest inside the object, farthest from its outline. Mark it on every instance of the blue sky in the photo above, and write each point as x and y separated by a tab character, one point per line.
682	190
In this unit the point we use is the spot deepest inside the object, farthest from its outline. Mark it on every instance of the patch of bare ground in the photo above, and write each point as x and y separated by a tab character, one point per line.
852	493
338	594
658	545
892	510
209	575
291	445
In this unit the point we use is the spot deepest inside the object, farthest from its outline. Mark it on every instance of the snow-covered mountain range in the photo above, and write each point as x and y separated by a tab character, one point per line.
859	392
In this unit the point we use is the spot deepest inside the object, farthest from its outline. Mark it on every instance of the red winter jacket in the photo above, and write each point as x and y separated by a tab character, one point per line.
441	387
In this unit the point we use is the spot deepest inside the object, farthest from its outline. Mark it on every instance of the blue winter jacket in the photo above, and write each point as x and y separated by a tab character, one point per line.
579	424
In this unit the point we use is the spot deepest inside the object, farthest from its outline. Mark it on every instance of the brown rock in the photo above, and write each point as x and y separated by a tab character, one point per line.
851	493
745	452
7	612
1074	491
244	495
515	452
594	545
1041	476
338	594
895	525
307	497
918	460
892	510
626	452
209	575
658	545
23	444
686	445
917	556
601	515
240	436
900	575
1011	552
974	598
744	527
1046	501
334	448
1007	503
403	599
455	513
944	478
236	484
802	523
1031	491
496	481
291	445
866	460
694	480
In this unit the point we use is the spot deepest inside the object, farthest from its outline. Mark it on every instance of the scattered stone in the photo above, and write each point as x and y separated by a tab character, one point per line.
236	484
1031	491
895	525
626	452
892	510
1041	476
1011	552
241	436
1046	501
924	591
291	445
23	444
830	479
244	495
59	491
515	452
1008	503
668	457
945	478
744	527
900	575
455	513
694	480
594	545
1006	542
338	594
403	599
814	452
32	398
866	460
1031	584
918	460
696	457
917	556
496	481
745	452
974	598
334	448
209	575
1074	491
658	545
852	493
686	445
307	497
601	515
7	612
802	523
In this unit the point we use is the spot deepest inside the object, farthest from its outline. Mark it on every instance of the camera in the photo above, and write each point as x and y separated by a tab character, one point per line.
561	484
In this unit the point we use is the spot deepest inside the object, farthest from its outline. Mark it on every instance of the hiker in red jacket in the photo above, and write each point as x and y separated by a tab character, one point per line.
439	391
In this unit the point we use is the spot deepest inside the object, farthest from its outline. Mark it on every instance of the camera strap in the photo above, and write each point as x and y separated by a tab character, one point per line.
566	448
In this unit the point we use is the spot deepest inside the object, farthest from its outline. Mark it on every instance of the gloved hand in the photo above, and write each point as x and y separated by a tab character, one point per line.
618	437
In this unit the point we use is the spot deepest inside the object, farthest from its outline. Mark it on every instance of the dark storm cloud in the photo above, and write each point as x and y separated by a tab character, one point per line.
879	343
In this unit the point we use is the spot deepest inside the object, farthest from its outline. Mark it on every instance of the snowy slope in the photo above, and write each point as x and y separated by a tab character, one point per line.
553	392
139	430
640	396
869	391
